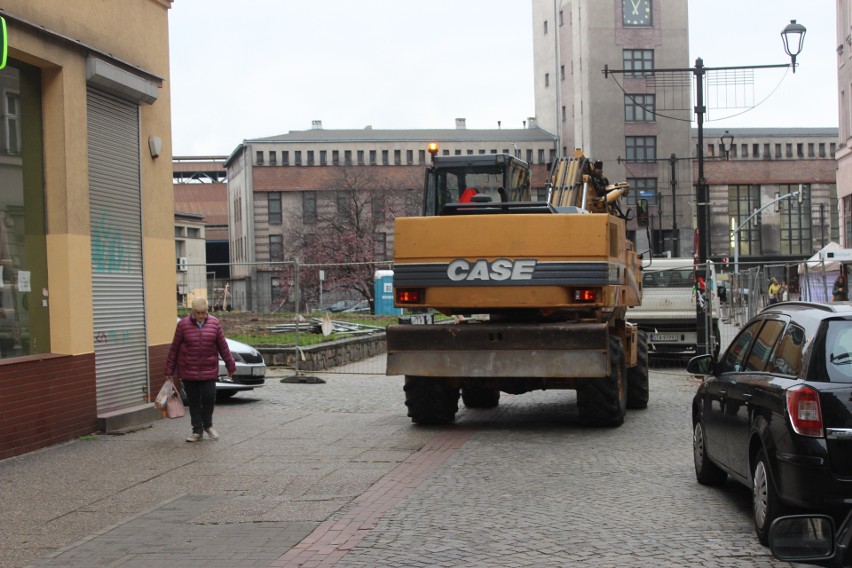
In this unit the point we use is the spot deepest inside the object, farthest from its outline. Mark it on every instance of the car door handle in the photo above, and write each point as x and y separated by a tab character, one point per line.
746	395
723	393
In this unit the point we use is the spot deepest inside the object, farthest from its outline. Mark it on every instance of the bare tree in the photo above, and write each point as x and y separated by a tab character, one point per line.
349	232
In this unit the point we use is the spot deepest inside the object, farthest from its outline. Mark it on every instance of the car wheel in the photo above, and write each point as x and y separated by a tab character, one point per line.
766	504
706	472
637	377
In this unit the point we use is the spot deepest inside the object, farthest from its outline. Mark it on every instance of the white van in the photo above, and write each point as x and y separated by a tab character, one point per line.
668	313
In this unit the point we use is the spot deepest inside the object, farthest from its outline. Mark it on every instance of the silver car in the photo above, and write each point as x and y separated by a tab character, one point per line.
250	373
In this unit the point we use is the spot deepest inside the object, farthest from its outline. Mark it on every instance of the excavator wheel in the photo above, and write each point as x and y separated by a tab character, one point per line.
479	397
430	401
637	377
603	401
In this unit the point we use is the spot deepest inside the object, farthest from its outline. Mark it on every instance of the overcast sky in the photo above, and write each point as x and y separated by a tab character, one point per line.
257	68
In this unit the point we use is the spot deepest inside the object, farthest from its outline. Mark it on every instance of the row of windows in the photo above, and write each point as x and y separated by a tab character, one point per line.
743	200
362	157
189	232
782	150
644	149
637	63
276	246
343	201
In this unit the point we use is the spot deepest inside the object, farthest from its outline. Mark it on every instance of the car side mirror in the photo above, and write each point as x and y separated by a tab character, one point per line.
804	538
701	365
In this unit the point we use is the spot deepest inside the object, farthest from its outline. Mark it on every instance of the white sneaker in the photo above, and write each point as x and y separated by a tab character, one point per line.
211	433
194	437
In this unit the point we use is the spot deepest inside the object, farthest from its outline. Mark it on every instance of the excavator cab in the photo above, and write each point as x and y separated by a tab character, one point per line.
454	182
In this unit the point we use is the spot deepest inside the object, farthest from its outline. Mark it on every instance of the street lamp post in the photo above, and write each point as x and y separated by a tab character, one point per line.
675	236
736	229
793	36
727	140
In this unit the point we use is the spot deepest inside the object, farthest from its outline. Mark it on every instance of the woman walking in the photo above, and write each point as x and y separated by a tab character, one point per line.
194	358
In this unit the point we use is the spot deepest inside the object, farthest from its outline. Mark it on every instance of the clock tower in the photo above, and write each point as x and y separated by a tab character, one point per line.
636	12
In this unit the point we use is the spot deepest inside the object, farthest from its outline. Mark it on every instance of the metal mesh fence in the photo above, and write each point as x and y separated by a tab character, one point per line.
329	309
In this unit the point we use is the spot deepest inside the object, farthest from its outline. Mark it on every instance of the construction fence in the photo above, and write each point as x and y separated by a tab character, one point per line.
355	299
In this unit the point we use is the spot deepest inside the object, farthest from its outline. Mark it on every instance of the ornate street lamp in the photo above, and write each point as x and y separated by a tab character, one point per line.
727	140
794	38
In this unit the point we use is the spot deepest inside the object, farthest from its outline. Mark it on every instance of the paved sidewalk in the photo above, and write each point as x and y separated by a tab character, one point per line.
149	499
336	475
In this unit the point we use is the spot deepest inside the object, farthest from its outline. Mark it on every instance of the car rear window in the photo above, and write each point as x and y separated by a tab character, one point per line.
838	351
677	278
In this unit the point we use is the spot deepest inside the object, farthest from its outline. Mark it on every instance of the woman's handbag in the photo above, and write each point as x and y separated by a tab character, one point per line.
168	401
174	406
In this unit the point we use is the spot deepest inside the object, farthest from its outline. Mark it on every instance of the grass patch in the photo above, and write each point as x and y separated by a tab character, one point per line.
88	437
254	328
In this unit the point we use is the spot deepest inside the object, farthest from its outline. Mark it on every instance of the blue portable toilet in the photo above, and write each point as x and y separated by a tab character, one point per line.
383	281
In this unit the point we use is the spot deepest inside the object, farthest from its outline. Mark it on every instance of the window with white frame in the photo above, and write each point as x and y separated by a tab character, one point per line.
13	122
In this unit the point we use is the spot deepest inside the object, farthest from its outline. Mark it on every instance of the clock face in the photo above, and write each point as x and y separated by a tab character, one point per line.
636	12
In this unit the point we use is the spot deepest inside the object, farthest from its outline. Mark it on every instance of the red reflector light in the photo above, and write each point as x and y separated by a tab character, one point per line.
584	295
408	296
804	410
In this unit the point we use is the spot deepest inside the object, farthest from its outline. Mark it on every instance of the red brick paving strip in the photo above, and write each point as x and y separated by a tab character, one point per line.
333	539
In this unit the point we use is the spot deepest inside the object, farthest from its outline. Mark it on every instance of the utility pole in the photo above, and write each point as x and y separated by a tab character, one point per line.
673	182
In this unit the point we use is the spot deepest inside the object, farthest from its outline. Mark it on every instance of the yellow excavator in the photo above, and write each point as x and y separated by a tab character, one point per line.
535	290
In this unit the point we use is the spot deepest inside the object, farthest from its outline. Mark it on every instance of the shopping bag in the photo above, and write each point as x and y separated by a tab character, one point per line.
174	406
163	396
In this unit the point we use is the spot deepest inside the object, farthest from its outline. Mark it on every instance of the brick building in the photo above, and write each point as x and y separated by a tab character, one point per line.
763	164
284	191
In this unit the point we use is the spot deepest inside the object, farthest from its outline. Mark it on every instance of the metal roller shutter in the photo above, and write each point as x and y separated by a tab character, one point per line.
121	354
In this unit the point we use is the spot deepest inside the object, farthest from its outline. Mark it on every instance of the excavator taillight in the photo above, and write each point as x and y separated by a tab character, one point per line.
584	295
409	296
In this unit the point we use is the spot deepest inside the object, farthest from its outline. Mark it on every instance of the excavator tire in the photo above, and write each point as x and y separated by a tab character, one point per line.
430	401
479	397
603	401
637	377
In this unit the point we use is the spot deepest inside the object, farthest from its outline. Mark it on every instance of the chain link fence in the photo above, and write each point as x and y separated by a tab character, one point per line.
332	312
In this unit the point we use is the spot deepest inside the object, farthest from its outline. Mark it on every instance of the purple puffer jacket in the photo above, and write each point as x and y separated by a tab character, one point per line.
195	350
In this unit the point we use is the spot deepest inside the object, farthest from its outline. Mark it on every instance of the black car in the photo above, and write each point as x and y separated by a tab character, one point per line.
775	412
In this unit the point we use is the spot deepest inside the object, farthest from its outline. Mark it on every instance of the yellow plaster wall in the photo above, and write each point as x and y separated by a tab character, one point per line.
136	32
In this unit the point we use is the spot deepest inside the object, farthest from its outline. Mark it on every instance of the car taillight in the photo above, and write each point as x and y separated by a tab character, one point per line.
803	408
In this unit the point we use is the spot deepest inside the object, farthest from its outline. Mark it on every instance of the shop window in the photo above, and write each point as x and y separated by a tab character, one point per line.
24	313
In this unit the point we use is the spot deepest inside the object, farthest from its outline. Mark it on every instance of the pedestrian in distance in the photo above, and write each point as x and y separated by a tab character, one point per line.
194	359
785	293
774	291
839	292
